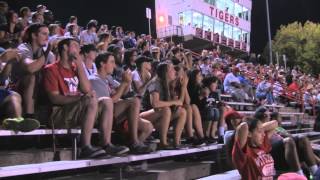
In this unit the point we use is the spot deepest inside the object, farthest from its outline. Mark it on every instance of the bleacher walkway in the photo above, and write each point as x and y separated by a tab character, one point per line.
293	125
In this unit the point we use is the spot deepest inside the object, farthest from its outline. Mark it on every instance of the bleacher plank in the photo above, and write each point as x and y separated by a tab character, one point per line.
281	113
42	167
42	132
309	134
229	175
225	96
76	164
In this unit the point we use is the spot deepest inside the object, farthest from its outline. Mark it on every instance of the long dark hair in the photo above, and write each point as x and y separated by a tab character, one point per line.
162	71
127	56
192	84
252	123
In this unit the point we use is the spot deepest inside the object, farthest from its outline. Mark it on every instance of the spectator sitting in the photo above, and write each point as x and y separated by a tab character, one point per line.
193	114
308	99
123	111
161	101
54	32
216	107
246	84
73	20
89	36
48	17
41	9
89	53
129	40
206	68
265	90
141	76
73	32
177	56
232	86
73	101
25	75
233	120
25	16
277	88
143	46
156	53
37	18
287	151
104	40
117	53
251	149
11	33
129	59
10	101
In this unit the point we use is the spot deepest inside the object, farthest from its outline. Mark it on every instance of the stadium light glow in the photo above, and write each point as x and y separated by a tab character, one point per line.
161	19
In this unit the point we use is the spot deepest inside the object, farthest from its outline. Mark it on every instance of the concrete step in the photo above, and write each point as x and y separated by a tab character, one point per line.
229	175
31	156
159	171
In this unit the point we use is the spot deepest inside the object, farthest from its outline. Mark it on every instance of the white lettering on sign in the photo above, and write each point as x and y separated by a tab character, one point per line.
224	16
148	13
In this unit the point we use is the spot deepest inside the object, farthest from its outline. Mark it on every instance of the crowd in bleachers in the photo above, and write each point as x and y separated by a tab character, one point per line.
111	79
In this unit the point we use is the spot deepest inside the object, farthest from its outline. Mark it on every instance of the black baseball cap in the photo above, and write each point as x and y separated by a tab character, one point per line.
142	59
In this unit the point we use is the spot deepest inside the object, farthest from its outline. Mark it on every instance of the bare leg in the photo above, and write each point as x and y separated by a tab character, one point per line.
181	116
317	159
306	151
28	90
105	107
145	128
291	154
222	122
161	120
130	109
189	123
12	106
88	121
197	121
214	126
208	128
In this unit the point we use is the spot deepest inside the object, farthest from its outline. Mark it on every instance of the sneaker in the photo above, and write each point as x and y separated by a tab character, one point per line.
189	140
199	142
166	147
20	124
211	140
89	152
181	147
152	139
141	149
115	150
220	140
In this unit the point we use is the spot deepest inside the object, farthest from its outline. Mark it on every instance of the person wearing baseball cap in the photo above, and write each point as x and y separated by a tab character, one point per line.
156	53
141	76
233	120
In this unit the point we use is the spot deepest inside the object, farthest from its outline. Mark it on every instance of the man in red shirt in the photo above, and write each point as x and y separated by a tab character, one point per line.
251	149
74	102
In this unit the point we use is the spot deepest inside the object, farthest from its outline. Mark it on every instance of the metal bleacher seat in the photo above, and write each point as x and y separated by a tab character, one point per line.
46	132
281	113
252	104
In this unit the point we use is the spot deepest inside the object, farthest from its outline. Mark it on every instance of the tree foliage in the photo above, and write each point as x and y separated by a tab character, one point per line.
301	44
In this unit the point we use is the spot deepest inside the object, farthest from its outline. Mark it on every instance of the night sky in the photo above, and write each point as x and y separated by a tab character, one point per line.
131	14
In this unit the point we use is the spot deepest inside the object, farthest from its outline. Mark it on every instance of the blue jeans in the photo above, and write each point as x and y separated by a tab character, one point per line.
266	95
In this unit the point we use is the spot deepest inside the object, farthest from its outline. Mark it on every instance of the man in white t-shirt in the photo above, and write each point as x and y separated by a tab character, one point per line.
232	86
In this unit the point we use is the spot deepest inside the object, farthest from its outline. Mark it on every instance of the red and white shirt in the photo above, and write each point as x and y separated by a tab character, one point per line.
63	80
254	163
